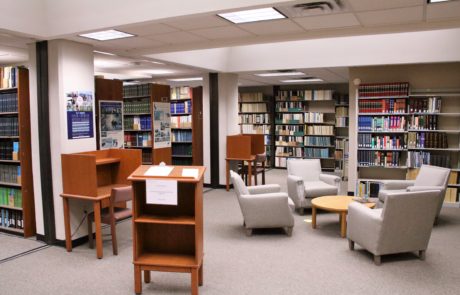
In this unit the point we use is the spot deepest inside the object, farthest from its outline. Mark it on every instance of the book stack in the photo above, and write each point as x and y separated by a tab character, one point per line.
291	106
316	153
369	189
255	129
183	92
427	140
251	96
181	121
136	90
10	174
425	105
296	141
138	123
182	150
9	150
384	89
319	130
293	95
384	123
382	105
11	219
423	122
314	117
8	77
181	135
452	193
147	156
341	111
341	122
181	107
254	119
378	159
289	118
289	152
9	126
318	94
416	159
296	130
381	141
10	197
140	106
8	102
317	141
141	139
253	108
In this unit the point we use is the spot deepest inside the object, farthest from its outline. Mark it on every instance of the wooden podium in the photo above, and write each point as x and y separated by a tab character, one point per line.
243	147
168	237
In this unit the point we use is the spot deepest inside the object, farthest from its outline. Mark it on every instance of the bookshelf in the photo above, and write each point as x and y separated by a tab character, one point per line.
255	110
17	213
168	238
187	125
138	120
342	125
399	129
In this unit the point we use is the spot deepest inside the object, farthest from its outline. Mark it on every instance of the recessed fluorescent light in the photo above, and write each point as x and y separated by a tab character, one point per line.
102	52
106	35
280	74
302	80
253	15
186	79
159	72
436	1
154	62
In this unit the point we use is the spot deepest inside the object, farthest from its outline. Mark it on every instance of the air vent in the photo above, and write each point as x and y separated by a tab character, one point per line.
309	8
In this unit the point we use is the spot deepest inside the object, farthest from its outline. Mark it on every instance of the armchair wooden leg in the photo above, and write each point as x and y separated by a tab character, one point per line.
113	231
249	232
351	245
377	259
90	233
289	231
422	254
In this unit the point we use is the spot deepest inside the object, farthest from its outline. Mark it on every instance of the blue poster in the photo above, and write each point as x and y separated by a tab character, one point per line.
79	114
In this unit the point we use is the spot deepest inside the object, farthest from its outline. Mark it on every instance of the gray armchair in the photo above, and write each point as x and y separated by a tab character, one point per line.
428	178
403	225
305	182
263	206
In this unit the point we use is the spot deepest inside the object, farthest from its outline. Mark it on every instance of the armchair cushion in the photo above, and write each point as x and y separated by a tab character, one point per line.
264	189
307	169
330	179
315	189
397	184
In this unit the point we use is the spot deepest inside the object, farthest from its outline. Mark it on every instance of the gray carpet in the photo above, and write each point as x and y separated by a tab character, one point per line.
12	245
310	262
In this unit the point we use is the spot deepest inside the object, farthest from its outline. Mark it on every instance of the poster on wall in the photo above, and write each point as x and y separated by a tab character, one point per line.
161	125
110	124
79	114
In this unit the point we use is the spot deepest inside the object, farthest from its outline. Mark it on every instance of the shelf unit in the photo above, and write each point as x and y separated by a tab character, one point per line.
342	120
407	130
168	238
187	125
17	213
255	112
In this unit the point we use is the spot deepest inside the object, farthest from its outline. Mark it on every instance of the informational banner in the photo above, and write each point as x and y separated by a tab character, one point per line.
110	124
79	114
161	125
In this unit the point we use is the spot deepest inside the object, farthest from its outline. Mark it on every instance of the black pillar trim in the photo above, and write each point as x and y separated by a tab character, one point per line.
214	123
44	141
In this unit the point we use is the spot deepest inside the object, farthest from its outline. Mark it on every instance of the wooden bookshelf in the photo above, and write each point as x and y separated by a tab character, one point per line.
187	136
23	162
168	238
342	124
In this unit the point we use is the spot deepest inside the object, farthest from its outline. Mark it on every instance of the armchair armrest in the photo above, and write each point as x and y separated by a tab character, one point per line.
264	189
266	210
330	179
296	189
397	184
420	188
364	225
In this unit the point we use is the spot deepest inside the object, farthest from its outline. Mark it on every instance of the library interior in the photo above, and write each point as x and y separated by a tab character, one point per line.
230	147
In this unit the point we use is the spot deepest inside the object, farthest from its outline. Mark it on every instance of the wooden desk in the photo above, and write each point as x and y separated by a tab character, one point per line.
250	161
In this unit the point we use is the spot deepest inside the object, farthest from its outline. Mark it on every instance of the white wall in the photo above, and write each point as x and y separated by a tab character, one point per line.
70	68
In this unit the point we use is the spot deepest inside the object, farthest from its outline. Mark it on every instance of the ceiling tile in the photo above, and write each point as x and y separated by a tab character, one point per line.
148	29
131	43
391	16
328	21
201	22
366	5
284	26
443	10
177	38
229	32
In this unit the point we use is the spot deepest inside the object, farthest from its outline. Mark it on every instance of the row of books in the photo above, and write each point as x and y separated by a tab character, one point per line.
8	102
255	129
381	141
319	130
341	111
9	150
384	89
338	155
9	126
11	197
181	121
182	150
289	152
289	118
416	159
318	140
182	161
254	119
382	105
141	139
8	77
384	123
379	158
423	122
183	92
314	117
251	96
289	130
296	141
147	156
136	90
304	95
141	106
138	122
451	195
10	173
427	140
290	106
339	143
267	141
368	189
253	107
181	135
341	122
316	153
281	162
11	219
181	107
425	105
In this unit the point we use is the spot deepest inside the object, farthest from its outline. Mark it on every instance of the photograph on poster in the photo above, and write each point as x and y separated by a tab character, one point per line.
79	114
111	124
161	124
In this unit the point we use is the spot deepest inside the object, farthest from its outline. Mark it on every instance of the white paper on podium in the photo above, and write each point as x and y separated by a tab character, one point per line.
161	192
190	172
158	171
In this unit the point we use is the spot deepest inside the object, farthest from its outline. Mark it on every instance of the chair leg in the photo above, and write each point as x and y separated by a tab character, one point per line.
288	231
422	254
263	173
90	233
255	176
377	259
113	231
248	232
302	211
351	245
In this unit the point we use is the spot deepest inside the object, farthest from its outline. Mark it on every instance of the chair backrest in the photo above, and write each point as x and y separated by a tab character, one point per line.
432	176
408	219
308	169
121	194
238	184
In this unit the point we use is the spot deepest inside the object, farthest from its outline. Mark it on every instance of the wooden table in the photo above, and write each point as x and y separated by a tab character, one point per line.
103	193
336	204
250	161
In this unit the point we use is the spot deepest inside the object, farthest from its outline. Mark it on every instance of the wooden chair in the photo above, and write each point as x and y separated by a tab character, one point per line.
257	168
112	214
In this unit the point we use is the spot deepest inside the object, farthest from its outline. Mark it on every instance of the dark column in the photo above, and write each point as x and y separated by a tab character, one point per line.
214	123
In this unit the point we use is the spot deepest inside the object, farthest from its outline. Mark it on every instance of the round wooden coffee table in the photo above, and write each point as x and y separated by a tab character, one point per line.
337	204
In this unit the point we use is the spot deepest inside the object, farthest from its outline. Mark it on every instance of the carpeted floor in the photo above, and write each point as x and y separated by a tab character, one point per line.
310	262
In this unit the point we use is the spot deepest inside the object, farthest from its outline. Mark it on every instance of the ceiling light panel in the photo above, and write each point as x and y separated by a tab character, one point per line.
107	35
186	79
302	80
436	1
102	52
280	74
159	72
253	15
